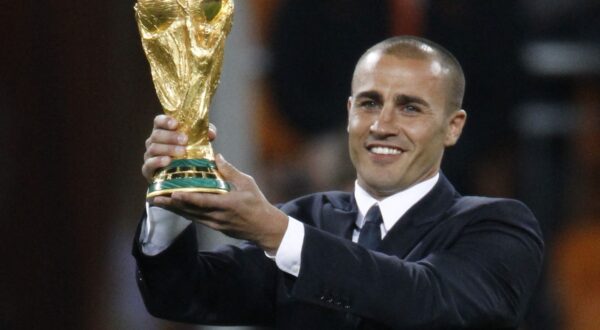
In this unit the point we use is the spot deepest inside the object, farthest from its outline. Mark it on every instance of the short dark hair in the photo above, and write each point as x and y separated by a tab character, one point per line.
421	48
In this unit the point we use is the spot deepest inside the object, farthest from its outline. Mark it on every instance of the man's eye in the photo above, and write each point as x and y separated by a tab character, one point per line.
368	104
411	109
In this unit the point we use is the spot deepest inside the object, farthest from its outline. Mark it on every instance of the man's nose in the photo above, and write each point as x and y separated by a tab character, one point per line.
384	122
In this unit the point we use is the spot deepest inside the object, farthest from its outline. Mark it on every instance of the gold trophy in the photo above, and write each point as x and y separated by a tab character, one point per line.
184	42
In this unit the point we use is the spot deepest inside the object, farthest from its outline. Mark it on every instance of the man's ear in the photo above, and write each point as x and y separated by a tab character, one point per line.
348	107
456	122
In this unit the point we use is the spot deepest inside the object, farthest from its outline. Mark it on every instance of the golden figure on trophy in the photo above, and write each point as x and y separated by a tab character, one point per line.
184	42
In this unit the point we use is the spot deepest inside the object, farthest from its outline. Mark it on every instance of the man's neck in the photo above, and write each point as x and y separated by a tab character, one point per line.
394	206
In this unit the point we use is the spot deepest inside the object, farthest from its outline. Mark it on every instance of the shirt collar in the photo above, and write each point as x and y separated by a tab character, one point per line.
395	206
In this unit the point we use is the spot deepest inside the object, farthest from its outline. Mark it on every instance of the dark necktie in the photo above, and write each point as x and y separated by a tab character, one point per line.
370	233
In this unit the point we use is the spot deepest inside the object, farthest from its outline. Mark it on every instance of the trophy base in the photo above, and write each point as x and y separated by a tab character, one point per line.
189	175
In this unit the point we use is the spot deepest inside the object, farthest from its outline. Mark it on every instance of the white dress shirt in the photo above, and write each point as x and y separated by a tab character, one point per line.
162	227
392	209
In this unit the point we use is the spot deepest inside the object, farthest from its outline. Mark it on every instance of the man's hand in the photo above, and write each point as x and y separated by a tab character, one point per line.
164	143
242	213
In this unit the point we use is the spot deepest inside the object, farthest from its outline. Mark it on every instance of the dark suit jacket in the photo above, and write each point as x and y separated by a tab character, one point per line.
450	262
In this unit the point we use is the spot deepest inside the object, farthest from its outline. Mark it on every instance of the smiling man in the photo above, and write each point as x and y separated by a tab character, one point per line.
404	110
403	251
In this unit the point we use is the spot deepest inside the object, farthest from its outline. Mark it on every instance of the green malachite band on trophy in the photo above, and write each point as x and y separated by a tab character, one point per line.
193	162
190	175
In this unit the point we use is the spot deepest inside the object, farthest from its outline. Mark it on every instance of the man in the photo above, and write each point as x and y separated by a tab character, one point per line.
319	262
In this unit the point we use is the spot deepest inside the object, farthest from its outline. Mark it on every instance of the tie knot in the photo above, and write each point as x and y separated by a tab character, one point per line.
374	215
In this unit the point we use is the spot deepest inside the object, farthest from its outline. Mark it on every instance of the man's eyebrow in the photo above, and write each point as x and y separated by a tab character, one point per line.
405	99
370	95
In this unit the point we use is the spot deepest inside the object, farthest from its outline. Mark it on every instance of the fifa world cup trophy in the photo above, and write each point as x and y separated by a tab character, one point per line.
184	42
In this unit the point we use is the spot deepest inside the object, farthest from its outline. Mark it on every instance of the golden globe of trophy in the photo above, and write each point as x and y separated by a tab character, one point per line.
184	42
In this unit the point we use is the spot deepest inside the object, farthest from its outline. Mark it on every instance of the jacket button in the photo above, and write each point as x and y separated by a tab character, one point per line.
347	306
330	300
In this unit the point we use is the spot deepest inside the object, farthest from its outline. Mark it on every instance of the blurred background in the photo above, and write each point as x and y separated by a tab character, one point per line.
77	103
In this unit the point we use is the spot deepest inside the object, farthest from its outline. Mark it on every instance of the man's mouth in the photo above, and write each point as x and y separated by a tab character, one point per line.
384	150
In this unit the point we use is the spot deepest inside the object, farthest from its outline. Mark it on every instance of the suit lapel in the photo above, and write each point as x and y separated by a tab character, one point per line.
339	216
419	219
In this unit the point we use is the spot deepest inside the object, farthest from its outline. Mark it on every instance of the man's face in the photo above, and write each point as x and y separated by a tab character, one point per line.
398	123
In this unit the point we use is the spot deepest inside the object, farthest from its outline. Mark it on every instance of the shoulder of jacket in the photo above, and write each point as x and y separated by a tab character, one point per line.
490	207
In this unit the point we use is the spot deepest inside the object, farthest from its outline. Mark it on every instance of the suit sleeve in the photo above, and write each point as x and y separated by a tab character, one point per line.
485	275
231	285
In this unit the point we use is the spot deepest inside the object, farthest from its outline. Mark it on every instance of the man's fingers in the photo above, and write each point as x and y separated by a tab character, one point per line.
230	173
197	206
160	200
152	164
207	202
157	150
157	162
166	137
165	122
177	207
212	132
